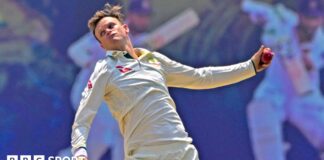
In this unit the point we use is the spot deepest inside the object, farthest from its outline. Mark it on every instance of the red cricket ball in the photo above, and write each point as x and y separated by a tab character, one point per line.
266	56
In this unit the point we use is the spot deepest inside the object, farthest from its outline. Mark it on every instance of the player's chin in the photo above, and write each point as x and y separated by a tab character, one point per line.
116	41
113	42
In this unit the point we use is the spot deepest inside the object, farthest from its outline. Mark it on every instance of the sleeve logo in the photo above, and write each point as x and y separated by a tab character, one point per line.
89	84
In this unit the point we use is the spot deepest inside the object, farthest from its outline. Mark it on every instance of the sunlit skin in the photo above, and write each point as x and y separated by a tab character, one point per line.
113	35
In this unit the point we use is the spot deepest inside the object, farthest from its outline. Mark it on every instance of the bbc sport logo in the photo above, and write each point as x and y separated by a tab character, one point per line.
25	157
37	157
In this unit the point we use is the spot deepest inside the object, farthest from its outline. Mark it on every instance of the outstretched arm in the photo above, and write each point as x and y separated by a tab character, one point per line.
182	76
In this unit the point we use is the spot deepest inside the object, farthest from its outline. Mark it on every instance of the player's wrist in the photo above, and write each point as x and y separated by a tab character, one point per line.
253	63
81	153
82	158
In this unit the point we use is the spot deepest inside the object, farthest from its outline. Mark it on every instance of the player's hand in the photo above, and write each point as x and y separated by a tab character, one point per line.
256	58
82	158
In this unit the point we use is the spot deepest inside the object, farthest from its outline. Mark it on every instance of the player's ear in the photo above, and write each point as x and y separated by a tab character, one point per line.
125	26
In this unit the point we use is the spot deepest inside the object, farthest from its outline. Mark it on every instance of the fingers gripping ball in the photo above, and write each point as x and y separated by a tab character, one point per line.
266	56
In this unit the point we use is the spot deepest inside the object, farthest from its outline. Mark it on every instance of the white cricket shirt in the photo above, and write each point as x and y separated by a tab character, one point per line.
137	95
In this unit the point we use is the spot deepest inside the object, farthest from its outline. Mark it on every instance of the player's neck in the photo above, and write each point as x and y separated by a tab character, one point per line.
130	49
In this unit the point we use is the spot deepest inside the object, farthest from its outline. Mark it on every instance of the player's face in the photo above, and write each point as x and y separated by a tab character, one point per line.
111	33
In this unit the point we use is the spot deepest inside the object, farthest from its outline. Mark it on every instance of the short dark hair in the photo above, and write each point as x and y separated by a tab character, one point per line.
107	11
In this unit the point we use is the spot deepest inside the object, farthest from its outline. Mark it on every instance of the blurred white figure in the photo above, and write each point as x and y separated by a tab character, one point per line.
85	52
290	90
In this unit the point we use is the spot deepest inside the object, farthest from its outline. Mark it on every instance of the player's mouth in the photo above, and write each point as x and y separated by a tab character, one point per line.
111	36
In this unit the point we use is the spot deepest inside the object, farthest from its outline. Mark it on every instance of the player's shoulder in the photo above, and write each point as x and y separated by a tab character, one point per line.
145	52
103	66
160	56
157	55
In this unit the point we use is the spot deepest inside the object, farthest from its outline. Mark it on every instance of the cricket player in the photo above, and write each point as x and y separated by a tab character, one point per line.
134	82
290	90
85	52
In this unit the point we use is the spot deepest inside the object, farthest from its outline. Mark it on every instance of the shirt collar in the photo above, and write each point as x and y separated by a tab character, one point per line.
115	53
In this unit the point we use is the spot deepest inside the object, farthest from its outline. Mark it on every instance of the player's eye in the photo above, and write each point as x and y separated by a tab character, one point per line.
110	25
102	33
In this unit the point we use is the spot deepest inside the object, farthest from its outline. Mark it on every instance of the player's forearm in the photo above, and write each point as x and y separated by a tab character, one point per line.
78	137
212	77
83	120
222	76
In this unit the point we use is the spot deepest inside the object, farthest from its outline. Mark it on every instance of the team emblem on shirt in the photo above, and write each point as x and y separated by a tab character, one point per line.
154	61
123	69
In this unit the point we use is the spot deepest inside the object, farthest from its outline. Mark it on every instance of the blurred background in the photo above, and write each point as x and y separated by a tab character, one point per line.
37	75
